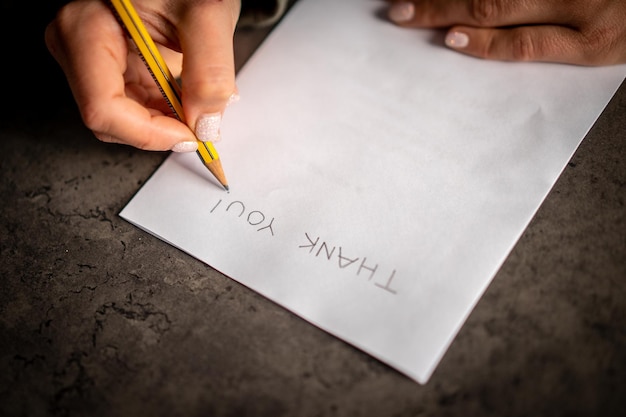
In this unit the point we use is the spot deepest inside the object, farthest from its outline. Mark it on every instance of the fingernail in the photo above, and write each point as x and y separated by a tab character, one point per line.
457	40
185	146
401	12
208	127
234	97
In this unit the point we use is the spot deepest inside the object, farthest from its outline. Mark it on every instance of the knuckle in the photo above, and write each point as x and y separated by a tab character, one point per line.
485	12
601	43
219	86
93	117
523	46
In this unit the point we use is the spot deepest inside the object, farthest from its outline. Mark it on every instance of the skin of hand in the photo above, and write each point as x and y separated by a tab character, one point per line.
581	32
115	93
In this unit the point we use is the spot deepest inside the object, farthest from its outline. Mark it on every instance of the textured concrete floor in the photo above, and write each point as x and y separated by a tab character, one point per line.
98	318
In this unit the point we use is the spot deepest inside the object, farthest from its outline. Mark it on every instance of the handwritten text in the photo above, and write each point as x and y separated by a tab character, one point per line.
359	264
254	218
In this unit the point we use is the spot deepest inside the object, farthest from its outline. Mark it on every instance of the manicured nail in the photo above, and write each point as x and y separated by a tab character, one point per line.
234	97
208	127
401	12
185	146
457	40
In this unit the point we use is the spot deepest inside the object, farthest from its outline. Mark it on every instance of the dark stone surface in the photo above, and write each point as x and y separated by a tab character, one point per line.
98	318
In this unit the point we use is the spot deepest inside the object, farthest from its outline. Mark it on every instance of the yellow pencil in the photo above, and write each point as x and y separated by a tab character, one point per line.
162	76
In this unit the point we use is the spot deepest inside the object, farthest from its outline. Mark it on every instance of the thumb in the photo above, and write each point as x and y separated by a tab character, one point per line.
208	73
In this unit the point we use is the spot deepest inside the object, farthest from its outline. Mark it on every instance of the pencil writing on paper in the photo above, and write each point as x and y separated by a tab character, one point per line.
360	263
361	266
254	218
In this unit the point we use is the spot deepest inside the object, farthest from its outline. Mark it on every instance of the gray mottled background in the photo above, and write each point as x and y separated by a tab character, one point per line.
98	318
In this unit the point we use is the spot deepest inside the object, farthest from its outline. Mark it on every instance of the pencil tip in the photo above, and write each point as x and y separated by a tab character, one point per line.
226	188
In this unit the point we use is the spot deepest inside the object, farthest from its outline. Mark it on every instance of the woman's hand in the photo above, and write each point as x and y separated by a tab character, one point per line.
583	32
116	95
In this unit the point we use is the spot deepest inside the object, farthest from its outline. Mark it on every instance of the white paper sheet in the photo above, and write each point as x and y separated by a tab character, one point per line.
378	180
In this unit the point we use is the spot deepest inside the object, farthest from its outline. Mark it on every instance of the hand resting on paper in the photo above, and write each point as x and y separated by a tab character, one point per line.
116	95
582	32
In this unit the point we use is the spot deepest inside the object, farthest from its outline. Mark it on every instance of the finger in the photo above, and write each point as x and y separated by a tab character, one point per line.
208	74
482	13
85	39
543	43
124	120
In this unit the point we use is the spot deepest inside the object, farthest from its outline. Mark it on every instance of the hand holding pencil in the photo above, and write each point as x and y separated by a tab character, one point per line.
116	95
